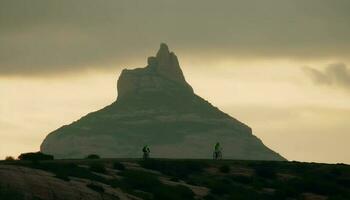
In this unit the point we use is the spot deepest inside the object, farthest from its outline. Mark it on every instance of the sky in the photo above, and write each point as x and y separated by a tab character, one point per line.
282	67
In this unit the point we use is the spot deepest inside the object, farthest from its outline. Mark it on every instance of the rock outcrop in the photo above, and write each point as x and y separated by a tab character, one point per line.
156	106
33	184
162	74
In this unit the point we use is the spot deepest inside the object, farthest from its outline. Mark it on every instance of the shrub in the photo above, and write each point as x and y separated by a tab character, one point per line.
95	187
149	182
319	186
9	158
210	197
344	182
7	193
98	167
173	193
242	179
337	197
35	156
115	183
118	166
220	188
174	179
93	156
66	170
225	169
179	169
62	177
265	171
140	180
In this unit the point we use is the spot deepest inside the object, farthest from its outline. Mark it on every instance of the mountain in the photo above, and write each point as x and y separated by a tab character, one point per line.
157	107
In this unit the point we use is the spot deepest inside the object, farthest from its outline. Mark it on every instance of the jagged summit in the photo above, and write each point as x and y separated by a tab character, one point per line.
163	49
162	74
167	65
156	106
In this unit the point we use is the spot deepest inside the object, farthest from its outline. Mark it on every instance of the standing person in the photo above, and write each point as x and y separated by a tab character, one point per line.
217	151
146	151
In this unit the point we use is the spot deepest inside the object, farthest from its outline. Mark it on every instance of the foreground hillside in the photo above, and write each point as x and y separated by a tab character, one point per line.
164	179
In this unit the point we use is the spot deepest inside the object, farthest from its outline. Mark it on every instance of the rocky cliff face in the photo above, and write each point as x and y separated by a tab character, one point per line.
162	74
156	106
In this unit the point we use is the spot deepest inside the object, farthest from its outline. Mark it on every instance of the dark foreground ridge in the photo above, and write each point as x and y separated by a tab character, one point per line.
158	108
166	179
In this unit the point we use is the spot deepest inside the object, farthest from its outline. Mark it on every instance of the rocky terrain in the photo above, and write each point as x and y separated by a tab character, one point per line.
157	107
166	179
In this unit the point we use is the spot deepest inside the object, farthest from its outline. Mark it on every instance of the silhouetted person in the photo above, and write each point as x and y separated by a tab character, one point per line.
146	152
217	151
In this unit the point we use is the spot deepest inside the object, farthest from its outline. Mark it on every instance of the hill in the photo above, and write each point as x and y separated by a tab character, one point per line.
160	179
157	107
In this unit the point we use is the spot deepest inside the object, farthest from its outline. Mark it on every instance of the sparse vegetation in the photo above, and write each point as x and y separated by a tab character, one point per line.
98	167
118	166
63	177
93	156
174	179
9	158
140	180
265	171
240	180
35	156
135	180
224	169
7	193
96	187
65	170
176	168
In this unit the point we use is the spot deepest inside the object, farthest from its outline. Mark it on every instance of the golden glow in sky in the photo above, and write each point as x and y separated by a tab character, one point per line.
296	118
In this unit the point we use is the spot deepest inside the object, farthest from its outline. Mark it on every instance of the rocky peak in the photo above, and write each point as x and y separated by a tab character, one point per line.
156	106
163	72
166	64
163	51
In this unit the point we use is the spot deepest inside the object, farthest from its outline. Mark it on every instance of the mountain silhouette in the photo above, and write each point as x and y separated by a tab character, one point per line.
157	107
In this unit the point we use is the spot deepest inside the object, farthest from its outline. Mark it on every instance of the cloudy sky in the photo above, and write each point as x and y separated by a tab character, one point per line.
282	67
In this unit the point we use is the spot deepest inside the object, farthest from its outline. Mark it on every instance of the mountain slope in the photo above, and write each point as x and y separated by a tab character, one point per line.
156	106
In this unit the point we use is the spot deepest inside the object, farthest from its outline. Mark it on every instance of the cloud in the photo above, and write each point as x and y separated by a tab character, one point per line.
48	37
337	74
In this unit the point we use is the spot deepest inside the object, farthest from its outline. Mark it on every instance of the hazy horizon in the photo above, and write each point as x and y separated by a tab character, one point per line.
282	68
